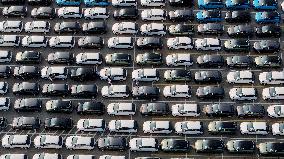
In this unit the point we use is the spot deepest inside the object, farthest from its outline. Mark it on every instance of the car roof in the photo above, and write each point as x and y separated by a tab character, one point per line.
277	74
248	91
246	74
147	142
212	41
259	125
20	139
150	72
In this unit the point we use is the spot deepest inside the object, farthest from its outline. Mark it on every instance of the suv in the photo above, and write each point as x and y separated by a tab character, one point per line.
208	44
112	143
115	91
273	93
54	73
250	111
43	13
153	3
92	27
67	27
272	77
55	90
69	12
207	16
83	74
14	11
154	109
243	94
27	105
59	106
209	61
58	124
210	29
177	75
84	90
181	30
181	15
212	76
120	43
60	57
28	57
149	43
209	146
268	31
238	17
219	110
26	88
266	61
179	91
26	72
26	123
179	59
126	14
254	128
175	145
210	4
246	77
118	59
266	46
91	42
210	92
240	61
147	75
241	146
239	45
145	92
222	127
90	108
240	31
149	58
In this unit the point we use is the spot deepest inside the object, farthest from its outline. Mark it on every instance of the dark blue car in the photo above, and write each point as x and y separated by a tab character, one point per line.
237	4
265	4
97	3
208	16
210	4
68	2
272	17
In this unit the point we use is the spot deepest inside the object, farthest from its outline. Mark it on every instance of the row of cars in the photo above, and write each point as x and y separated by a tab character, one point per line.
144	144
59	156
153	126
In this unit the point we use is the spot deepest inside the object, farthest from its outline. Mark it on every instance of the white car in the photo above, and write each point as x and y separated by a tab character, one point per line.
272	77
87	58
121	109
34	41
153	3
91	125
273	93
111	157
243	94
120	43
144	144
37	27
124	3
62	42
191	110
80	143
10	40
212	44
125	28
189	127
13	156
4	103
81	156
146	75
96	13
5	56
275	111
48	141
179	91
153	29
69	12
245	77
278	128
54	72
180	43
153	14
115	91
123	126
16	141
113	73
157	127
179	60
254	128
47	156
9	26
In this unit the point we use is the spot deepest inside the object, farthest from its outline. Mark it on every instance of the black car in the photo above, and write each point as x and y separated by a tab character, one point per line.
209	146
67	27
94	27
210	92
83	74
58	124
267	31
180	3
26	88
175	145
239	31
26	72
39	2
14	11
237	45
222	127
59	106
210	29
145	92
27	105
149	58
5	103
43	13
239	61
238	17
154	109
271	149
26	123
90	108
268	61
177	75
181	15
241	146
126	14
149	43
212	76
266	46
5	71
112	143
55	90
253	111
91	42
119	59
181	29
219	110
28	57
60	57
13	2
209	61
3	123
84	90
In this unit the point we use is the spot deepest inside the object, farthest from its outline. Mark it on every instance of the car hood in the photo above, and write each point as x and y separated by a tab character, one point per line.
104	91
115	26
270	111
146	126
167	91
230	77
265	93
262	77
232	92
275	128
